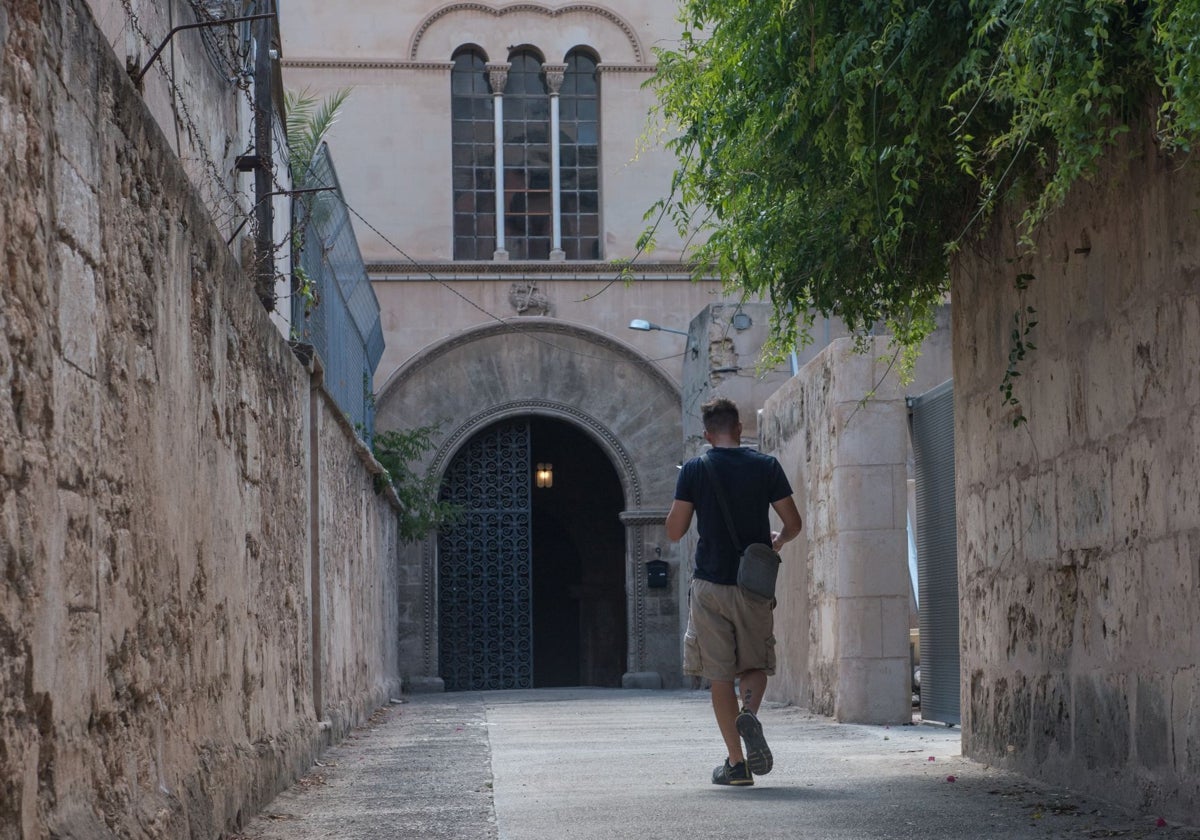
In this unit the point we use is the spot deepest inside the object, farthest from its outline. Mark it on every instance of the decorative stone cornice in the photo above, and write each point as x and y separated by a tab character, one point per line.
630	33
424	271
366	64
626	68
643	516
437	66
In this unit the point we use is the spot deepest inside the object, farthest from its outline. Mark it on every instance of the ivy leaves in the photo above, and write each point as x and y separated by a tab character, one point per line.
424	512
806	129
1020	344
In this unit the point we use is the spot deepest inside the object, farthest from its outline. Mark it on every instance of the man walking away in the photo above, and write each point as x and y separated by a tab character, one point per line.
730	634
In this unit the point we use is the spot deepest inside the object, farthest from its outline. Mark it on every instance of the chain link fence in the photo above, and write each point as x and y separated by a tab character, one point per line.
334	308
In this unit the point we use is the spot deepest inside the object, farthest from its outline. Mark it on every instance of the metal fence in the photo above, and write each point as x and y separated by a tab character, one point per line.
340	318
932	424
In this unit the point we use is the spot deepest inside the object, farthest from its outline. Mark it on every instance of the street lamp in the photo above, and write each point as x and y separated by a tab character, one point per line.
639	324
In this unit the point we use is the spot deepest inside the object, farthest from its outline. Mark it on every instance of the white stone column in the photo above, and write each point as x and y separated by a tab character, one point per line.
554	80
498	76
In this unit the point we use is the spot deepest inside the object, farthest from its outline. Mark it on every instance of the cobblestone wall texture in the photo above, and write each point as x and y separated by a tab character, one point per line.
1079	533
155	550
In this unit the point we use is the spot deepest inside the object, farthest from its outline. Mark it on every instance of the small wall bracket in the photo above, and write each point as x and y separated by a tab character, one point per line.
137	78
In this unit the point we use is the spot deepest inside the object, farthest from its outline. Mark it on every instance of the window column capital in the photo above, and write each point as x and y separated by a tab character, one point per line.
554	76
497	75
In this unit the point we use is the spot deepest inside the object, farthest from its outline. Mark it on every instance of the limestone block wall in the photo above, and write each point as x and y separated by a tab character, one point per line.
842	620
156	492
1079	532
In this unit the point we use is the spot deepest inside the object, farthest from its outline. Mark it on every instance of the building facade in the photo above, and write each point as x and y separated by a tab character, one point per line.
500	160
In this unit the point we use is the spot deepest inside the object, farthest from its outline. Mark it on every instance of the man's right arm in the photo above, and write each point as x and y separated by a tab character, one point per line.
679	519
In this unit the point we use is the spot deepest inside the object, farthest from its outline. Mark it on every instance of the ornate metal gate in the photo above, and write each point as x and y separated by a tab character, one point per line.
485	606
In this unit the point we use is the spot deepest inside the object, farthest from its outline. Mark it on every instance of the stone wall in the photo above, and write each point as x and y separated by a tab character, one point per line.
203	117
157	488
1079	532
358	541
842	621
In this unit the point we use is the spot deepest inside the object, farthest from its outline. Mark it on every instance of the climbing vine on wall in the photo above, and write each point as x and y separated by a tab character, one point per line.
423	511
838	154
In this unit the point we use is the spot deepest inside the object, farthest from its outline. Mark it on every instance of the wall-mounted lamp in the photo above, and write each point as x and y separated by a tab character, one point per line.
639	324
543	475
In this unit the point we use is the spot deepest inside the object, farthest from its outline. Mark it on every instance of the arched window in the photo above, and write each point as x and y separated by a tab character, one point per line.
473	157
527	211
526	195
579	138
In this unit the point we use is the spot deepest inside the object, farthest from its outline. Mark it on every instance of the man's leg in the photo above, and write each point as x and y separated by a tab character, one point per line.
752	684
725	707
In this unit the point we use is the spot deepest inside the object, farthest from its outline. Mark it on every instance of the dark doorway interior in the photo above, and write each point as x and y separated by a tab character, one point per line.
579	632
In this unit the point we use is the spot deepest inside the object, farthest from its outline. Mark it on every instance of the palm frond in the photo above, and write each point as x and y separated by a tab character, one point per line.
308	122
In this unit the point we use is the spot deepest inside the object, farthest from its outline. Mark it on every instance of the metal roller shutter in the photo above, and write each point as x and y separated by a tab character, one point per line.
932	423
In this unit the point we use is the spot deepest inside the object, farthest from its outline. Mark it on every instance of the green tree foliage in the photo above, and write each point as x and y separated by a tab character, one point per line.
423	512
836	154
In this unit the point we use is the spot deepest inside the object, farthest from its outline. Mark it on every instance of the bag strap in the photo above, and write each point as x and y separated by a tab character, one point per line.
716	483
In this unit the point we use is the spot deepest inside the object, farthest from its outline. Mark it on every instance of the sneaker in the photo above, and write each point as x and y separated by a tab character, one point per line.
735	775
758	754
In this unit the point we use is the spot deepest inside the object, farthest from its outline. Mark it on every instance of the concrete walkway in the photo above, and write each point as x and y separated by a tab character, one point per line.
586	764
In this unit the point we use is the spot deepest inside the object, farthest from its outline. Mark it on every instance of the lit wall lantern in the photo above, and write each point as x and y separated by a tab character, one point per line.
544	475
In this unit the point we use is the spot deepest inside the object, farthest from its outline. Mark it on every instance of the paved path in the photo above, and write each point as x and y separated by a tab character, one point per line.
586	764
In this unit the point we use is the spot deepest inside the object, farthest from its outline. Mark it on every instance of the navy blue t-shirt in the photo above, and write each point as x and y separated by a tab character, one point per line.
751	482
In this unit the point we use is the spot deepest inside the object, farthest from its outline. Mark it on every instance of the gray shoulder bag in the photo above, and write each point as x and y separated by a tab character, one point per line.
758	564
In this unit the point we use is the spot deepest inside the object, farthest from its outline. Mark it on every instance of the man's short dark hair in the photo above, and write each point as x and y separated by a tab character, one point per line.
720	416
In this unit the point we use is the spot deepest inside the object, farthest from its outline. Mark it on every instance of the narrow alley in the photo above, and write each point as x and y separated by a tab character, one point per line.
596	763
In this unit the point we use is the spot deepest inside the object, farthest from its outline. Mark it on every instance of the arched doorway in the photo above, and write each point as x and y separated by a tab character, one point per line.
531	587
596	386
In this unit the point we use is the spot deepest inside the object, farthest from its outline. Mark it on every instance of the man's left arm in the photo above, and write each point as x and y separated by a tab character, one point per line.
792	523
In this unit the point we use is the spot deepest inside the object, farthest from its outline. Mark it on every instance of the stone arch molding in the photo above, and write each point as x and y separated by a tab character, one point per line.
544	366
618	455
607	17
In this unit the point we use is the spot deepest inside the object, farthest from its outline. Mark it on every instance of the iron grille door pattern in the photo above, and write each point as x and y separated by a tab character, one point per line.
485	604
932	418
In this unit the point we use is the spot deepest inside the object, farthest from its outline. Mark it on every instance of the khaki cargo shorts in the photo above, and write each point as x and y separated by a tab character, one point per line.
728	632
